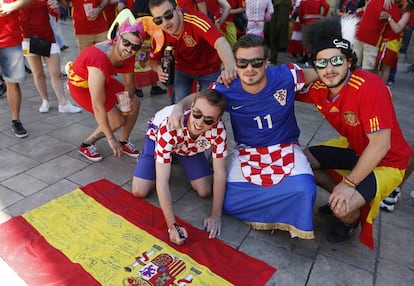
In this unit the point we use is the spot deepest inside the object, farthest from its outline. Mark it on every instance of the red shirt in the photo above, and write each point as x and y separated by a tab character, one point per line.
110	13
11	30
82	25
189	4
363	106
35	21
95	57
194	50
234	4
371	28
309	11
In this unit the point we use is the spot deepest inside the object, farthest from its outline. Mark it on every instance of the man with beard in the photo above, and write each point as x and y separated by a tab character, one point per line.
92	85
270	184
371	151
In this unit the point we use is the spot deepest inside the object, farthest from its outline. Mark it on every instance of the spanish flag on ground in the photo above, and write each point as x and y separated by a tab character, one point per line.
101	235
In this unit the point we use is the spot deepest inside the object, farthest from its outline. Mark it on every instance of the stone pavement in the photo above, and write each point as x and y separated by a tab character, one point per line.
46	165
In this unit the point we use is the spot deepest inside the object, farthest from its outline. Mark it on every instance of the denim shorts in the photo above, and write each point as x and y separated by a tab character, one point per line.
183	83
12	64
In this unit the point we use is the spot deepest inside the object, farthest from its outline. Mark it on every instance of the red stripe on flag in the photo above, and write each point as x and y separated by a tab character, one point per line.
36	262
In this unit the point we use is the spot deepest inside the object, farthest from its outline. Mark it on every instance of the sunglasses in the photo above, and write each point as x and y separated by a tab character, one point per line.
208	120
256	63
335	61
127	43
168	15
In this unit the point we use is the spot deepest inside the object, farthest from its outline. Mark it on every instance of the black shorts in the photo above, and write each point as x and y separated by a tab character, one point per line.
345	159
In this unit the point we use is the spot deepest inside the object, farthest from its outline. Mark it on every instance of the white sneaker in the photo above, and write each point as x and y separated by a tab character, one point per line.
44	107
69	108
388	204
394	196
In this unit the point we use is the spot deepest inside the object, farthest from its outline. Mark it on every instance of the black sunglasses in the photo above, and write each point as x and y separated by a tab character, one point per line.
168	15
197	114
256	63
127	43
335	61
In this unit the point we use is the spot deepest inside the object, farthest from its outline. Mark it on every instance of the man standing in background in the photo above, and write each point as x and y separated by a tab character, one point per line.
11	58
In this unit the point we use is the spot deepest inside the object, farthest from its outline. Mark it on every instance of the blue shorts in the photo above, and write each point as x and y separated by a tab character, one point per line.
12	64
195	167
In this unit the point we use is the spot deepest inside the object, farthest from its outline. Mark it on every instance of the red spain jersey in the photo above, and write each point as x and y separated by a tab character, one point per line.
389	34
363	106
81	24
194	50
370	29
10	29
179	141
95	56
35	21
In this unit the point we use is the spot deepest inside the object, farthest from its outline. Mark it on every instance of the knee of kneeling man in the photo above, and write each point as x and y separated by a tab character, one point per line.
139	193
204	193
343	216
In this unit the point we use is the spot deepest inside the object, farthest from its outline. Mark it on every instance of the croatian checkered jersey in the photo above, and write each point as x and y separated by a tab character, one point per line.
180	142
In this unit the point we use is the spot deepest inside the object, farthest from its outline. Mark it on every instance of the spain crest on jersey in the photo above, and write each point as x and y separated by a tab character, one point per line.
280	96
350	118
189	41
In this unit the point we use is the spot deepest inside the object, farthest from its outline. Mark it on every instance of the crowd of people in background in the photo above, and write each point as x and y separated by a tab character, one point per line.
226	59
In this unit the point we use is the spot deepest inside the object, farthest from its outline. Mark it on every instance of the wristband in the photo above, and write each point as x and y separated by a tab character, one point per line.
171	227
349	182
178	229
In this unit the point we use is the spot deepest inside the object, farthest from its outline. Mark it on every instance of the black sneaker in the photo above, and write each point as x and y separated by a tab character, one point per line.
155	90
341	232
28	70
139	93
3	89
326	210
18	129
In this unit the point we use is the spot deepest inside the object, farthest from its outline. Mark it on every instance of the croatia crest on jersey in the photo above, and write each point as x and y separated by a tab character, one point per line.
280	96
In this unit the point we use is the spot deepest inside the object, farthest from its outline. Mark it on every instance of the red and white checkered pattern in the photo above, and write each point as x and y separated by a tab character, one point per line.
180	142
267	166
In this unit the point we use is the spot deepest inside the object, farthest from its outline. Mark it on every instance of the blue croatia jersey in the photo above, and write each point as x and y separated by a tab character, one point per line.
266	118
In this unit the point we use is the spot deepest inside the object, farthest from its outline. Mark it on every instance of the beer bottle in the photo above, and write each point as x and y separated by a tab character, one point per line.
168	64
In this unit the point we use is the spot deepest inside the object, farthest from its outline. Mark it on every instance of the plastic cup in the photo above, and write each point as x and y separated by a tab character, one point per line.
88	7
124	102
26	46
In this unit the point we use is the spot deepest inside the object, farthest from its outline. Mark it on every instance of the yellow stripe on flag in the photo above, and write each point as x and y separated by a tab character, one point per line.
108	246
